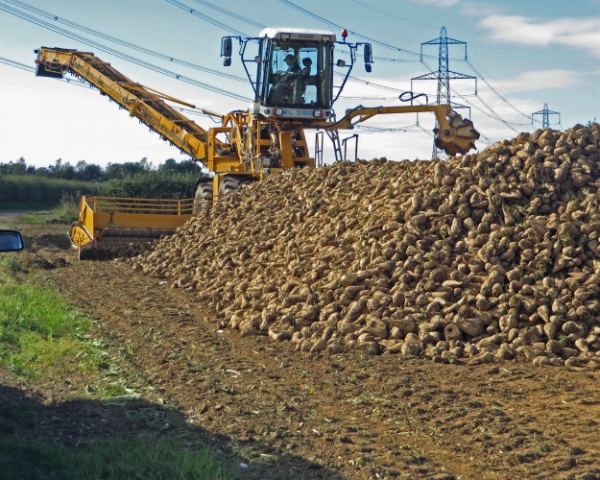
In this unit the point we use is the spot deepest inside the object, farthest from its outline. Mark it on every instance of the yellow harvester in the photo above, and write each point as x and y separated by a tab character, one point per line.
293	91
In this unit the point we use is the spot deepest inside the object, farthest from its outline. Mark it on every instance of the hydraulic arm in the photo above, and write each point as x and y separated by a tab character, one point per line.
455	135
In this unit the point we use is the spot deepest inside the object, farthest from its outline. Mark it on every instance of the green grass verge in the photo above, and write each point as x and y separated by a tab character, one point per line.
162	459
40	335
37	217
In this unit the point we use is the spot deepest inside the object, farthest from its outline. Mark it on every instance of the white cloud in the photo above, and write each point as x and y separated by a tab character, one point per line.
573	32
542	79
480	9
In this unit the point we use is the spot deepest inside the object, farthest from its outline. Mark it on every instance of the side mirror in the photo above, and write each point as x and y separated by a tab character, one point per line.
11	241
226	50
341	63
368	54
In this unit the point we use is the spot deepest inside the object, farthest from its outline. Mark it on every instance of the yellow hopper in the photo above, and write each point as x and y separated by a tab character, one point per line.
110	226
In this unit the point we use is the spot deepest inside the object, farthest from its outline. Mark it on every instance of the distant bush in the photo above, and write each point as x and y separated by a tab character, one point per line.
24	191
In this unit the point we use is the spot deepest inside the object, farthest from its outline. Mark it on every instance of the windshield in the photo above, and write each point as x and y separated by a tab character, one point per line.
298	75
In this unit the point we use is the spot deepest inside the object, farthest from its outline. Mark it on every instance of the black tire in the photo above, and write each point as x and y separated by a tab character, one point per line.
228	184
203	195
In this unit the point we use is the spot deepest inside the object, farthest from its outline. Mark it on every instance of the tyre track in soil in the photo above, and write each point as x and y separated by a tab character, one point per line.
296	416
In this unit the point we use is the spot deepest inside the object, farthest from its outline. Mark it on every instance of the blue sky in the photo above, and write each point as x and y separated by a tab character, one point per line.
531	53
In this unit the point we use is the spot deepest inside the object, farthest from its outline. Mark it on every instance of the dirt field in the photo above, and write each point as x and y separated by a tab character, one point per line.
285	414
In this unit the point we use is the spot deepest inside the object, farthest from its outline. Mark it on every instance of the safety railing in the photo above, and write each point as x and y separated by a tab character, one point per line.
150	206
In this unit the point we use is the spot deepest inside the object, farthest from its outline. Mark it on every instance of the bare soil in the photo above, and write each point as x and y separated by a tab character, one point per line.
286	414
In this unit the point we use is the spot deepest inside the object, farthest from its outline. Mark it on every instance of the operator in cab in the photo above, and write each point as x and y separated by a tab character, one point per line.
292	63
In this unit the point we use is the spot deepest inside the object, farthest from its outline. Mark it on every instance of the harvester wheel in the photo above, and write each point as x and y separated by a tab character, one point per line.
464	139
203	195
230	183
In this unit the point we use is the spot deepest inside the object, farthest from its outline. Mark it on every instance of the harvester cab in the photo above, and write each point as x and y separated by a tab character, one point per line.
293	77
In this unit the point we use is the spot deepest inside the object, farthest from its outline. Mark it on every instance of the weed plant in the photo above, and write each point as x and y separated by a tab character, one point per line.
68	210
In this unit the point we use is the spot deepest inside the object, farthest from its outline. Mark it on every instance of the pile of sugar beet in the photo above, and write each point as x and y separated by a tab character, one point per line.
490	255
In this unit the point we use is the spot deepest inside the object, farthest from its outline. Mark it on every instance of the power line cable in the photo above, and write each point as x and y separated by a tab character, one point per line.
367	98
480	68
211	20
372	84
425	130
230	14
497	116
12	63
110	38
495	91
483	112
371	7
121	55
370	129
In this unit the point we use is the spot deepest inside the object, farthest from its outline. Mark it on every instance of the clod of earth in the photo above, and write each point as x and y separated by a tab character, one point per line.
494	255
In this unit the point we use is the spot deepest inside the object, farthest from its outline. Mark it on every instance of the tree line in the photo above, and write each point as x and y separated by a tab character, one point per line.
27	186
90	172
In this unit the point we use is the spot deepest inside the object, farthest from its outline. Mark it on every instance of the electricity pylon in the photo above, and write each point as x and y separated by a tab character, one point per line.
443	75
545	113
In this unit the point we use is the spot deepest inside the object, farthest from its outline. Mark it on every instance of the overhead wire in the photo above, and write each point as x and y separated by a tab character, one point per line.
370	129
468	62
481	110
425	130
230	14
210	20
345	97
371	84
371	7
133	46
13	63
121	55
480	68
